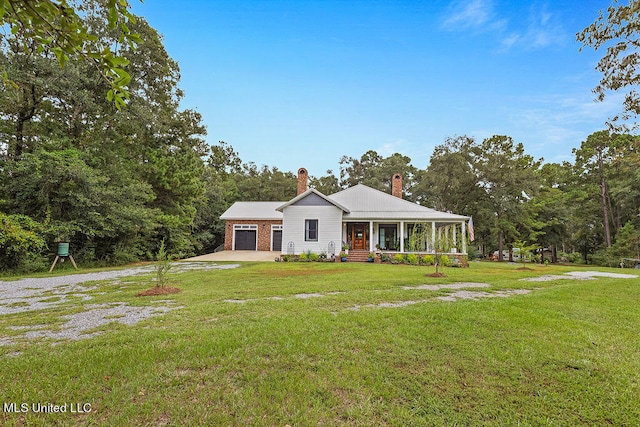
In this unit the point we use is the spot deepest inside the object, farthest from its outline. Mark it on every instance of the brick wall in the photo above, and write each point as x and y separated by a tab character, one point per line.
264	233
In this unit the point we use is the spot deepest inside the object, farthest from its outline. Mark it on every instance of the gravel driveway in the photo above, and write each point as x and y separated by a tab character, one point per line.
32	294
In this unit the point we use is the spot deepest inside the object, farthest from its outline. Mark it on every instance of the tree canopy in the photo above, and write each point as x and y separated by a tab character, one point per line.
61	28
617	31
117	182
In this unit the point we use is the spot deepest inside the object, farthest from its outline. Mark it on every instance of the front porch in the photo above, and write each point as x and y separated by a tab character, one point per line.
406	237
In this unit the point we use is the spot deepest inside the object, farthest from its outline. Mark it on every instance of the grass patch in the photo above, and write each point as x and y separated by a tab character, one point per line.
564	354
17	304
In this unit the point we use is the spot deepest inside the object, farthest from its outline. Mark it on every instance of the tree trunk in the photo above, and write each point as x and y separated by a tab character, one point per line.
25	114
605	211
500	257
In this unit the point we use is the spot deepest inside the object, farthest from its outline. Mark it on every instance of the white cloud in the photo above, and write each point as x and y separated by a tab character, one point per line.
543	30
469	14
389	148
552	125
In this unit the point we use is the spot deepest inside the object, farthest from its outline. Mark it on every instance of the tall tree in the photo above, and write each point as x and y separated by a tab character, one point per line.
599	161
327	184
265	183
617	30
140	166
450	182
508	178
375	171
592	155
552	208
59	26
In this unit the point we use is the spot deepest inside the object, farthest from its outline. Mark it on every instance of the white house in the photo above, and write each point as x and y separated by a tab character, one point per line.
360	217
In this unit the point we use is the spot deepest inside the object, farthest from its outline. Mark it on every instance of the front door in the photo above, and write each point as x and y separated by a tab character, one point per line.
359	236
277	240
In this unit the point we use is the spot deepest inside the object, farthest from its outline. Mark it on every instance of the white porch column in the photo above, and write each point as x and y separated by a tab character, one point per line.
464	237
401	236
433	236
371	245
455	235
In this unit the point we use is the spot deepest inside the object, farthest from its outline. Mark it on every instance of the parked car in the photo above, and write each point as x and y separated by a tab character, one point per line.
505	254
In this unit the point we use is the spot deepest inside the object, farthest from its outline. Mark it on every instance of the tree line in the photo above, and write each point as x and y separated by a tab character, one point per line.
115	181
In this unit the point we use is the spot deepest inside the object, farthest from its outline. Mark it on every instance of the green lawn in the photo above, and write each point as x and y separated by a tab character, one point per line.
247	349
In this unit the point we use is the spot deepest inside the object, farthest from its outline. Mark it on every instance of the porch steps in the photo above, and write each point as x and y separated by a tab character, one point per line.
358	256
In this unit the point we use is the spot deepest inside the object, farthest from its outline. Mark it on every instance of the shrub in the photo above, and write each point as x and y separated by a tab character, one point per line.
604	258
412	259
385	257
573	257
21	244
427	260
397	259
313	257
303	257
445	261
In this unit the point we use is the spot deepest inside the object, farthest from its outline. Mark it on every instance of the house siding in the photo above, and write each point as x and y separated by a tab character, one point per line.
329	228
312	200
264	233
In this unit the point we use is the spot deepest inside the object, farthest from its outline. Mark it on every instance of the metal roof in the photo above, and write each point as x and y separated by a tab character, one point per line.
253	210
358	203
367	203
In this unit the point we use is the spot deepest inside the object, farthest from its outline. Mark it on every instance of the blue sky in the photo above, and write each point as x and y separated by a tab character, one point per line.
301	83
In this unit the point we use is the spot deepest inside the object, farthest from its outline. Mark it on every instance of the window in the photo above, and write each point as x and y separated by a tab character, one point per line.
311	230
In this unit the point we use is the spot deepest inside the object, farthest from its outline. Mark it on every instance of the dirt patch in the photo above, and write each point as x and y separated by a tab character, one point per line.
435	275
580	275
159	290
452	297
474	295
305	296
458	285
305	272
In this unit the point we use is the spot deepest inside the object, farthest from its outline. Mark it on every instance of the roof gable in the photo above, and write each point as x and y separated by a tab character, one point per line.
315	199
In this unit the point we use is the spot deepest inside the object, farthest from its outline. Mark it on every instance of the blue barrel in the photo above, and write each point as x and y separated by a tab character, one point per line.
63	249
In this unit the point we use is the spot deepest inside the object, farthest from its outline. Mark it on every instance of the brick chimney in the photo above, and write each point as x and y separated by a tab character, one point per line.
396	185
303	176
